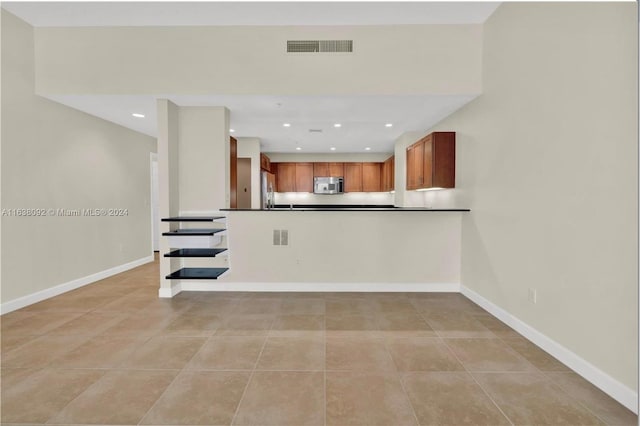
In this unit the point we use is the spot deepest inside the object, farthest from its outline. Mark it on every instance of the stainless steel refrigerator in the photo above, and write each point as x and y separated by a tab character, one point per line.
267	189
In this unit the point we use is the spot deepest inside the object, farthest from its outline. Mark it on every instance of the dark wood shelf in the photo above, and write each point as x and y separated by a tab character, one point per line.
195	252
190	232
197	274
191	218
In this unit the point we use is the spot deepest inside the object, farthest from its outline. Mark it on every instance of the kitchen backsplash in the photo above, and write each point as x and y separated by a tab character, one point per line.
348	198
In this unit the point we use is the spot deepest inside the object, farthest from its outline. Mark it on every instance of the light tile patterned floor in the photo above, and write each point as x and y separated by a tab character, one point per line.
113	353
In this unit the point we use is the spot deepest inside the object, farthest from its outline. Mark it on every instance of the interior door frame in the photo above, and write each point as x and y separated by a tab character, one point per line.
233	172
153	158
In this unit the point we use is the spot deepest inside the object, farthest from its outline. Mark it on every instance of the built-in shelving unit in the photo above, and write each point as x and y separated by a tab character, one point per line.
195	243
193	219
201	232
197	274
196	252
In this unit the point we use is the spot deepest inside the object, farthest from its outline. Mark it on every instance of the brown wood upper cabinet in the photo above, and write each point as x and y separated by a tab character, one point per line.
304	177
362	177
265	162
352	177
371	177
328	169
358	177
415	165
431	162
293	177
388	178
285	176
336	169
320	169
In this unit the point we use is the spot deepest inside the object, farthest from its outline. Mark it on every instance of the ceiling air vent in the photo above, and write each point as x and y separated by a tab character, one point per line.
319	46
315	130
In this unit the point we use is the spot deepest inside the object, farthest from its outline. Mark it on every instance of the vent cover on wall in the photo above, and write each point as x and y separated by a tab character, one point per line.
319	46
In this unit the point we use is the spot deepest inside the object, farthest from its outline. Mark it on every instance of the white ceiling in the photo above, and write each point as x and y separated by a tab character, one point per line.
63	14
362	118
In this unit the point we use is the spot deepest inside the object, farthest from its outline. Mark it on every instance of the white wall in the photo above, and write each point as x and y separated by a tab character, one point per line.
168	184
547	162
404	59
345	247
403	198
57	157
203	157
250	148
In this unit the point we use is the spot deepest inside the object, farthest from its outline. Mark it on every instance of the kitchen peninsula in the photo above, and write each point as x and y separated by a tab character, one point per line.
335	249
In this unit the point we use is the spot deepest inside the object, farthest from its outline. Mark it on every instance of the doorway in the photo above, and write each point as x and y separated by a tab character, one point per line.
244	183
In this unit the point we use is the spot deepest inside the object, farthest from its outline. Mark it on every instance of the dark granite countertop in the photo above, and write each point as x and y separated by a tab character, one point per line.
191	218
333	208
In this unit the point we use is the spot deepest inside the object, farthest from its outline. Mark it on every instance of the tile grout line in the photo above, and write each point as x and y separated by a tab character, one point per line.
76	397
400	377
593	413
537	370
255	365
171	383
478	383
324	372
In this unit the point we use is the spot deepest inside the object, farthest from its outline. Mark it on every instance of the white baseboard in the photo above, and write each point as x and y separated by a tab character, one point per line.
41	295
612	387
215	285
169	292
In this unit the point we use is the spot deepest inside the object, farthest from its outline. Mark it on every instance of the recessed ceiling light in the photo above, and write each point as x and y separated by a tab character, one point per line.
333	148
138	115
337	125
388	125
298	148
287	125
231	130
368	148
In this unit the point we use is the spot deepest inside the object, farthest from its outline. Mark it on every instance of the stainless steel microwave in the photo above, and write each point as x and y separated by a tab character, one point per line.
328	185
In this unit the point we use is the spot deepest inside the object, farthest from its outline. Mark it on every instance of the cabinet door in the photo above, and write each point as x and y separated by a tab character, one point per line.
411	183
428	162
444	160
392	173
371	177
265	163
352	177
336	170
384	176
286	177
233	170
304	177
415	165
387	174
321	170
411	172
